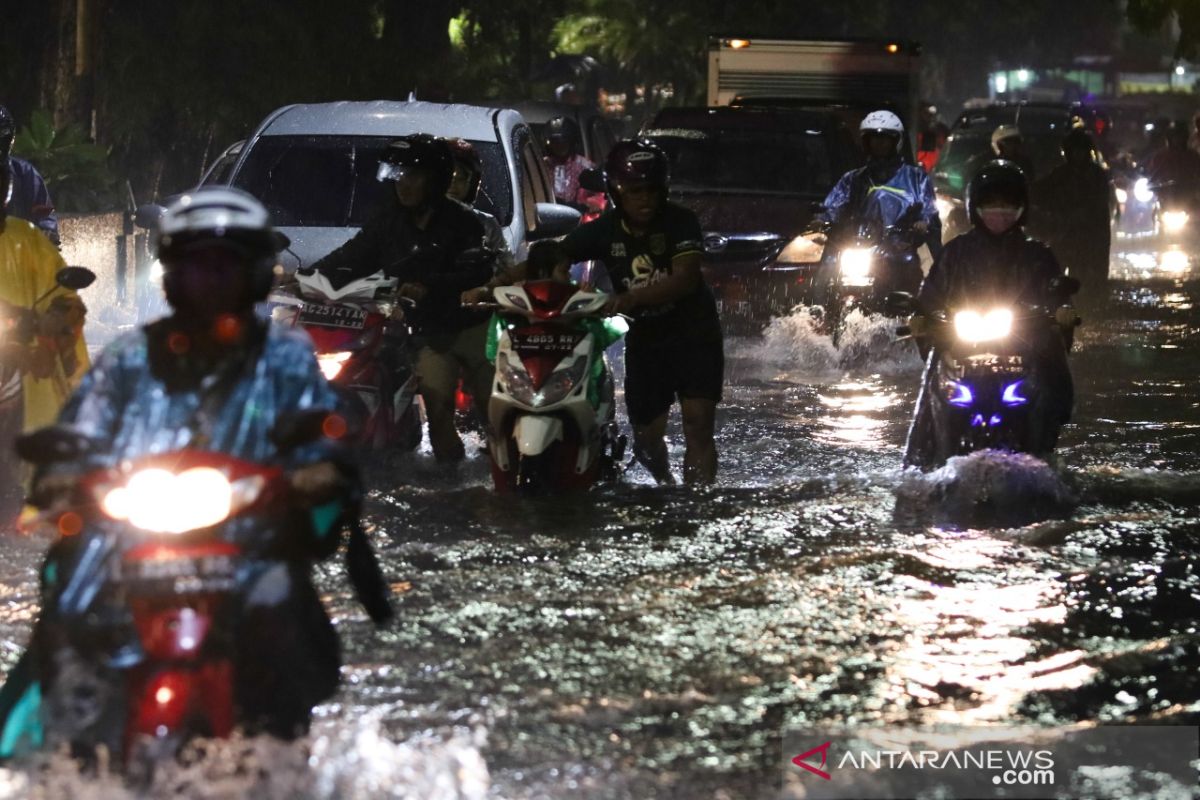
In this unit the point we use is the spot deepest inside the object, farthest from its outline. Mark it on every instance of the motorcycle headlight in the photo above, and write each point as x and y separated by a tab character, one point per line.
155	274
971	326
1122	196
800	250
1174	221
519	385
561	383
160	501
331	363
854	264
1141	190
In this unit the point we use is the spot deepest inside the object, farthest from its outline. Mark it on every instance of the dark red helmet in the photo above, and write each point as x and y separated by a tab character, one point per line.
636	161
467	157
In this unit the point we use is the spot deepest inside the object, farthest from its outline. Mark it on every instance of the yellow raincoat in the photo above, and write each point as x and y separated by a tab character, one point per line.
28	264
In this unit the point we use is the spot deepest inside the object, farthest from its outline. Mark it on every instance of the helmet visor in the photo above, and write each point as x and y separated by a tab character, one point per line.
389	172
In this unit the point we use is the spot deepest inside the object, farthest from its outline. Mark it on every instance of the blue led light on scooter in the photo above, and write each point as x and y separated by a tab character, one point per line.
977	421
962	396
995	420
1010	396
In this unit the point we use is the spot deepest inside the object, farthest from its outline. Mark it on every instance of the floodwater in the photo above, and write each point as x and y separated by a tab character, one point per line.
656	642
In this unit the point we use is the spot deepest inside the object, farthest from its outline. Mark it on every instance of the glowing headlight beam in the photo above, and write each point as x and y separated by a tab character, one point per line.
854	264
972	326
156	500
331	363
1174	221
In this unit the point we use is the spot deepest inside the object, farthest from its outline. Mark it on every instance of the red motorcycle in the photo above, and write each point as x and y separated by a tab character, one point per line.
136	647
362	347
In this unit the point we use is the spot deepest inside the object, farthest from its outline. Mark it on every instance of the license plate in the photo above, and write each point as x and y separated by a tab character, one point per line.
545	342
204	568
333	316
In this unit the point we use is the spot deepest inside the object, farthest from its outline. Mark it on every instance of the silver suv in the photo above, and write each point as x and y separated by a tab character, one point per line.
313	167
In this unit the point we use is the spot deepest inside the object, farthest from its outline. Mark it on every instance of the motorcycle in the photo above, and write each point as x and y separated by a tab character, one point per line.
363	348
981	389
136	650
549	428
864	268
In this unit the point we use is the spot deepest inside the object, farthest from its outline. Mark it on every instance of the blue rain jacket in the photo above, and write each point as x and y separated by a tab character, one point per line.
31	199
883	203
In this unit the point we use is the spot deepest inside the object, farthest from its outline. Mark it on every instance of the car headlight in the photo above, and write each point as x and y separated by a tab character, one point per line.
562	382
160	501
971	326
331	363
800	250
854	265
1174	221
1122	196
1141	190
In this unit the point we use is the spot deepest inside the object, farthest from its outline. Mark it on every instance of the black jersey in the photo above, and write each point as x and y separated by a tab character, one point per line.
634	261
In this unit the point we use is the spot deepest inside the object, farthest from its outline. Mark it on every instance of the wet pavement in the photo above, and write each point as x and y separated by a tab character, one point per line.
647	642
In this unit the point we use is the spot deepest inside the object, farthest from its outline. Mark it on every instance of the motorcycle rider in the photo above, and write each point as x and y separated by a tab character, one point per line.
28	199
883	192
996	263
465	186
213	376
420	237
566	164
1175	169
1008	144
651	249
1075	203
35	376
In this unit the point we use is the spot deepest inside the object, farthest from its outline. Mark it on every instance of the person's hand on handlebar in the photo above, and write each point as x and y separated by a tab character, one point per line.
480	294
413	291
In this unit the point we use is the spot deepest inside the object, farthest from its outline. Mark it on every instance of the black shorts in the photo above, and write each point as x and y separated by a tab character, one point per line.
655	376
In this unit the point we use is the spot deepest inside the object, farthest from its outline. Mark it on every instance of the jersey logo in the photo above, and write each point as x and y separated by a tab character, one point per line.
642	268
641	156
658	244
618	248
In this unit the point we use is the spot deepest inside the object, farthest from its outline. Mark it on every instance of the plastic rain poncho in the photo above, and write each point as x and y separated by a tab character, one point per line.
28	265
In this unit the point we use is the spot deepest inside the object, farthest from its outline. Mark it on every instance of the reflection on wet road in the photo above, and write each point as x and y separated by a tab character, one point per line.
640	642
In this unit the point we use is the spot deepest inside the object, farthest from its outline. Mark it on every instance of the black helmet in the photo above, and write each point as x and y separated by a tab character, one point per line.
418	151
1177	134
562	128
636	161
8	132
1077	141
998	179
220	215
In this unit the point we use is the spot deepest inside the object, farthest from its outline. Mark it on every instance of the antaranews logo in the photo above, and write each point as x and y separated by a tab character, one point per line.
802	760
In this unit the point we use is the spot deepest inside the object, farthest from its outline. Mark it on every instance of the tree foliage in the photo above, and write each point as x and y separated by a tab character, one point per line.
75	170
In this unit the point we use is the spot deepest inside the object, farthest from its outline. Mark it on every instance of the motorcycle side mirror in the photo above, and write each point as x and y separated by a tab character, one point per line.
1065	286
897	304
147	215
75	278
297	428
592	180
54	445
554	220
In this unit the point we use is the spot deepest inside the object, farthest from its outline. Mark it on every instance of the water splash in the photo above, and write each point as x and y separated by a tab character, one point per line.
985	489
338	761
868	345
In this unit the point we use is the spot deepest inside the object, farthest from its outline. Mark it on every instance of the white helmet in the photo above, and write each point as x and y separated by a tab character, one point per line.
220	214
882	121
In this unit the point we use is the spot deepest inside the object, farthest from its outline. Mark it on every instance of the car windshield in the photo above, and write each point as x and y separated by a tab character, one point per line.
970	146
329	181
793	162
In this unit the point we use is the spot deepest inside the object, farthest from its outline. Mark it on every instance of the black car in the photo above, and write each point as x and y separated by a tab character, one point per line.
755	176
969	147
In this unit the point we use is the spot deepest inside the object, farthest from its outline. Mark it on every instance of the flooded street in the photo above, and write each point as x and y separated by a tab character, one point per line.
646	642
